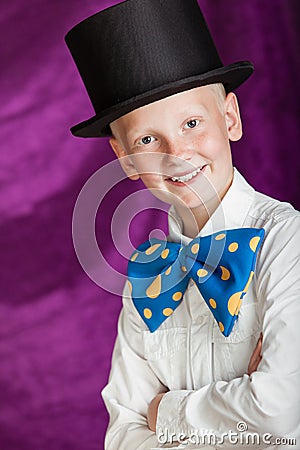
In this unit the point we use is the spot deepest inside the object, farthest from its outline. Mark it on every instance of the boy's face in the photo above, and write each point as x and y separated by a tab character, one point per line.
179	146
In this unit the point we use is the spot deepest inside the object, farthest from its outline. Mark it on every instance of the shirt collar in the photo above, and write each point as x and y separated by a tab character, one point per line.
230	214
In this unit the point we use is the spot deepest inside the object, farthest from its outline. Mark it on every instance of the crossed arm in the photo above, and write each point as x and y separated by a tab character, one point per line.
154	404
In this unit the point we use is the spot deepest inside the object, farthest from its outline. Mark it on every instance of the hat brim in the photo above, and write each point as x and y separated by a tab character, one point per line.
232	76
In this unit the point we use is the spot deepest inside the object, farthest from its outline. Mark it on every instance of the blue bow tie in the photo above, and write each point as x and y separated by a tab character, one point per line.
222	266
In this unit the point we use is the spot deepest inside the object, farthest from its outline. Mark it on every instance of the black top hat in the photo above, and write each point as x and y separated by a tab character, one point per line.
140	51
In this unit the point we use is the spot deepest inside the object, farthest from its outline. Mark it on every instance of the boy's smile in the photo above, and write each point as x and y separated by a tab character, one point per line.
179	147
187	177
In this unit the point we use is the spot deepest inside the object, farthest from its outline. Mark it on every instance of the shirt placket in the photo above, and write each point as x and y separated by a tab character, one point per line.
200	339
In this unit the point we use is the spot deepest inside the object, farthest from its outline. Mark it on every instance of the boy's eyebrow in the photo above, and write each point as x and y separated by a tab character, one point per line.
134	133
138	131
192	109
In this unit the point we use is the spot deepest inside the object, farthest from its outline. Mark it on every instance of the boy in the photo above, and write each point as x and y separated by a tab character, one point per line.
182	377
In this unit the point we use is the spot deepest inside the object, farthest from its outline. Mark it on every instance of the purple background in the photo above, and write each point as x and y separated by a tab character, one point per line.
57	327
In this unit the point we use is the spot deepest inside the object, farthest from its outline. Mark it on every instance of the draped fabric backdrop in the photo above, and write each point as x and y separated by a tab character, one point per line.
57	327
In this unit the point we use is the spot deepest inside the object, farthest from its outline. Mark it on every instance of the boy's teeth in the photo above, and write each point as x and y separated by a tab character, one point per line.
187	177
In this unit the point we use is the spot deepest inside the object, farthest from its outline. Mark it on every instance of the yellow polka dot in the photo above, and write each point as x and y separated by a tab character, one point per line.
254	243
213	303
225	273
184	269
233	247
221	326
195	249
129	286
234	303
202	273
248	282
152	249
147	313
220	237
133	258
177	296
154	289
167	312
168	271
165	253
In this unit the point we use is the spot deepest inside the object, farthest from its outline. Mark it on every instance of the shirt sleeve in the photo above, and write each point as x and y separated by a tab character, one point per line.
267	401
131	387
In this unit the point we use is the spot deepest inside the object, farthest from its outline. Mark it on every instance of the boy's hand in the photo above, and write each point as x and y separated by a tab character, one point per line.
256	356
152	411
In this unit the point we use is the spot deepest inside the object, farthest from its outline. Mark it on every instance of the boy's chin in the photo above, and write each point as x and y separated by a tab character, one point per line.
188	201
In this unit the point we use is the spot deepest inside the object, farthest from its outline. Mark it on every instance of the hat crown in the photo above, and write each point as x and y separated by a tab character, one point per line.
140	51
140	45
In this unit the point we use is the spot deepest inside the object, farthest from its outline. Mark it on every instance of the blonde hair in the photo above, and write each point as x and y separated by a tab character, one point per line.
220	94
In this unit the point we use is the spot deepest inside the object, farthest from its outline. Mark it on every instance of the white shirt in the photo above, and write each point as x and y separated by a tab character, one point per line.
205	373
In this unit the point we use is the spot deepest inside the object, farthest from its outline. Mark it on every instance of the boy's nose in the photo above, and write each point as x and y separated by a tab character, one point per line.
178	148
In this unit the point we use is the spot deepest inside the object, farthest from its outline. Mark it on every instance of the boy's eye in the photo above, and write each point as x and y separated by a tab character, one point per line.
192	123
146	140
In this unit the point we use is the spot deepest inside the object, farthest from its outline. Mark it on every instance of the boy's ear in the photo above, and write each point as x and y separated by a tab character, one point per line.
124	159
233	118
